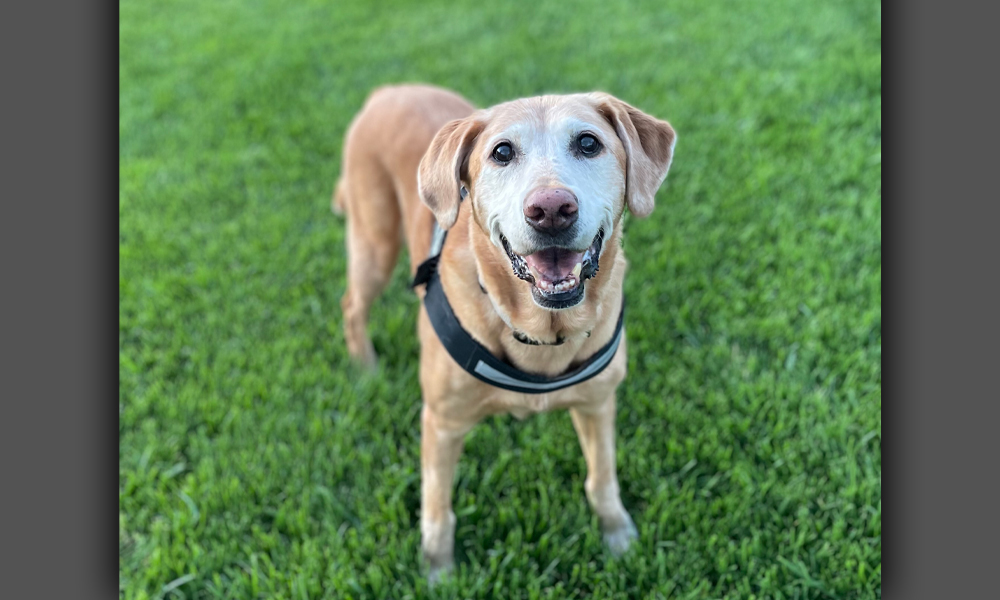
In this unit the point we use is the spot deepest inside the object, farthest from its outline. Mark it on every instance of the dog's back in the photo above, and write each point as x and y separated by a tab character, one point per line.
378	191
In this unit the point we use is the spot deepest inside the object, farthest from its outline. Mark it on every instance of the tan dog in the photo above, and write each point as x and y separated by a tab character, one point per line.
548	180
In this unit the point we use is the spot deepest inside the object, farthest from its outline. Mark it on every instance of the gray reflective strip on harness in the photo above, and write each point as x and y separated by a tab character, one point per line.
594	368
437	242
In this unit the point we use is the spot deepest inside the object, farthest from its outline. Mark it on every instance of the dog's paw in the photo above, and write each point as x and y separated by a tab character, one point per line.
619	539
369	362
435	574
437	546
438	567
365	357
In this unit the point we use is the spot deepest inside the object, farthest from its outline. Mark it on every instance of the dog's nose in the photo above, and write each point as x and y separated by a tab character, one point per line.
550	209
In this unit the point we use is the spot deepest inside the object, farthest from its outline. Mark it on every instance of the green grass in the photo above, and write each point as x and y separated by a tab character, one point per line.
255	462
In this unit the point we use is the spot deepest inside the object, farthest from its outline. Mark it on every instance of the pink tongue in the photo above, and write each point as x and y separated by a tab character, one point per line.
554	264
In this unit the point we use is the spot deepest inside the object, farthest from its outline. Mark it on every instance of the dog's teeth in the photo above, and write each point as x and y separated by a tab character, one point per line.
577	269
562	286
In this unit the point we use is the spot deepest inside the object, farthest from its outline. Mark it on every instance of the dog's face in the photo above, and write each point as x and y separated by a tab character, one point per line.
548	179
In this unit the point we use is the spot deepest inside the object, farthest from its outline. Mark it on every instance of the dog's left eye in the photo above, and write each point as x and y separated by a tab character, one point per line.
588	145
503	153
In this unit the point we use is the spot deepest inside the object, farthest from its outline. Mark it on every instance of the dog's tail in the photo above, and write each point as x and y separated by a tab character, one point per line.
338	203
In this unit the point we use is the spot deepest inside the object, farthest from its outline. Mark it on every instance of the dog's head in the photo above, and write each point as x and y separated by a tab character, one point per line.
548	179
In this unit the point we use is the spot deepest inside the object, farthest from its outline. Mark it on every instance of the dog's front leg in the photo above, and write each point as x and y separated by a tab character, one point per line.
595	426
440	446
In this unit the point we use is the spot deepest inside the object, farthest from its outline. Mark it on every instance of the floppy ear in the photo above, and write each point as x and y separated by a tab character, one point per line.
444	166
649	146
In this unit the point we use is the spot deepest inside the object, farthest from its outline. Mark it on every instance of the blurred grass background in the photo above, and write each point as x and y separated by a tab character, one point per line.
255	462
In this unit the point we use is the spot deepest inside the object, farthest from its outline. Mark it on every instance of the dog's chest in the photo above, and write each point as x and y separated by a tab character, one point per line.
521	406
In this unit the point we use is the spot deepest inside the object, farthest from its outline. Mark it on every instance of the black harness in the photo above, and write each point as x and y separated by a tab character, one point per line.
477	360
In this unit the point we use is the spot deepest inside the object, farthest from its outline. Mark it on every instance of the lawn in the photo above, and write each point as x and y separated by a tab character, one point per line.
256	462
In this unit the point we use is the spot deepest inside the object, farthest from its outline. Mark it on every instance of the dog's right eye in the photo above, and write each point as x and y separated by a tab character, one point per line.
503	153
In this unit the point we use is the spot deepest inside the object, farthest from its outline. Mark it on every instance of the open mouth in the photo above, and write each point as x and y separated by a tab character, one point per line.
556	274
